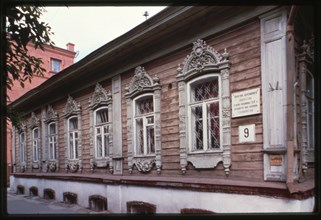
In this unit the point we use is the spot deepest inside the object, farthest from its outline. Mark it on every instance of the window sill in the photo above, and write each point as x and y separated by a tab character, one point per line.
205	160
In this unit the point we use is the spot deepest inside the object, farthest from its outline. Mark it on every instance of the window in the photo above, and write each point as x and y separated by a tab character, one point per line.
144	125
55	65
204	111
310	110
143	122
52	140
73	137
204	108
102	132
35	144
22	146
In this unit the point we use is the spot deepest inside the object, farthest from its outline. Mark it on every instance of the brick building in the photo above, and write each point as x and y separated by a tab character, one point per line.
197	110
54	60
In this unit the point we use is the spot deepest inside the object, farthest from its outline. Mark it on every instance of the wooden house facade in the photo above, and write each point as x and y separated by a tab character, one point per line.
196	110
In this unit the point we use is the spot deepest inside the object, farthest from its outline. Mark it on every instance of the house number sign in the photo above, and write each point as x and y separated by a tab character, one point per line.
246	102
247	133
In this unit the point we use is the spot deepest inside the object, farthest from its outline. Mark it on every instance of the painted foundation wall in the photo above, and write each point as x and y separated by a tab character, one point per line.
165	200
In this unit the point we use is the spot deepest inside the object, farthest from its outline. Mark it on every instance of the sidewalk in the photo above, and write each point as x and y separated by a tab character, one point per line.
23	204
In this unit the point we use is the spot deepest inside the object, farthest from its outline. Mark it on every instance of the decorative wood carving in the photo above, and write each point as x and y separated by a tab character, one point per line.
143	83
34	121
51	115
71	107
99	97
202	60
306	60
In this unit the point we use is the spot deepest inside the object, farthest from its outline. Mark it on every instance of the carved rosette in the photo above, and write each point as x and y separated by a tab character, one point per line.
52	166
73	166
144	165
203	60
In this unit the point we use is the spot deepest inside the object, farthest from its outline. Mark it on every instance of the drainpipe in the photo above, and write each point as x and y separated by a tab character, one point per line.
291	73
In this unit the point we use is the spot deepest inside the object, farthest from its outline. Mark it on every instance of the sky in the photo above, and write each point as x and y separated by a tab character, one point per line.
91	27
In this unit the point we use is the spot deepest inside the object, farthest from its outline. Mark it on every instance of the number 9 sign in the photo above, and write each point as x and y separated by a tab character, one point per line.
247	133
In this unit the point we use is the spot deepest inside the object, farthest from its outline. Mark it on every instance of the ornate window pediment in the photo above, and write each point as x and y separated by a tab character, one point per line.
100	97
51	115
34	121
198	70
141	82
203	57
71	107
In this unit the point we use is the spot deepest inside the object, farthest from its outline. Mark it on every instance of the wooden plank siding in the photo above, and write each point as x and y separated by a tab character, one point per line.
243	46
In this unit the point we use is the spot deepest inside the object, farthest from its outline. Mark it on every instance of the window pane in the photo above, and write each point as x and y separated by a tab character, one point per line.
99	146
150	140
205	90
144	105
102	116
139	136
71	147
106	145
35	150
52	129
150	120
197	128
73	124
55	65
76	148
35	133
213	125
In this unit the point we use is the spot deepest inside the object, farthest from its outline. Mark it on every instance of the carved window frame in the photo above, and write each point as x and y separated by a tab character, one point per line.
142	84
34	123
51	117
306	68
202	61
73	110
144	118
22	152
101	99
218	100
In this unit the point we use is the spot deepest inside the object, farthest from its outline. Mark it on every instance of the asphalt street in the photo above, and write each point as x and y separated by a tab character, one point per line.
23	204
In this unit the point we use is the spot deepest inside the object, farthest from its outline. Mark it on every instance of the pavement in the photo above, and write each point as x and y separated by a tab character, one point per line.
24	204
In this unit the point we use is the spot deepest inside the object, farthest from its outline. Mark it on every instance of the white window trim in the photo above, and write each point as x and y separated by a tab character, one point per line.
100	99
144	117
22	148
101	126
142	84
74	147
35	145
204	105
73	109
53	143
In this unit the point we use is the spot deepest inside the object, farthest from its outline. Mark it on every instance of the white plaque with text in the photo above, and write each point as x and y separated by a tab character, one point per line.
245	103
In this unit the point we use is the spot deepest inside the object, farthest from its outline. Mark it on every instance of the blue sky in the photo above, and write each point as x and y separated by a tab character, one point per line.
91	27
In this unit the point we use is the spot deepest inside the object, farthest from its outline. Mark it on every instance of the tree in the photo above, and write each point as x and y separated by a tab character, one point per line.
23	25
